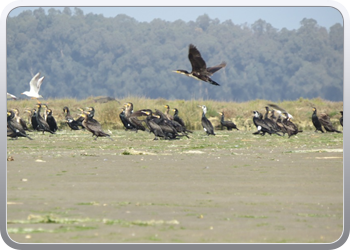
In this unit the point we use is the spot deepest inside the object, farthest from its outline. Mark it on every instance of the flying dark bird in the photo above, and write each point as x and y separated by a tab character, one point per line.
206	124
94	127
51	120
14	129
199	67
42	124
73	124
327	124
316	121
228	124
341	118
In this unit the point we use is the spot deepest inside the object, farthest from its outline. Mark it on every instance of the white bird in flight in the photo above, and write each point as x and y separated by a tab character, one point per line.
34	84
11	96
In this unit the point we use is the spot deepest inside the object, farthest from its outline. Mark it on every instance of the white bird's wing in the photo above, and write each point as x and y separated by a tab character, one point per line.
40	81
34	83
12	96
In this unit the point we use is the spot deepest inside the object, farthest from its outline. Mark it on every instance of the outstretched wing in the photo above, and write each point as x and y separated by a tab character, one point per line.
213	69
33	84
12	96
276	107
197	62
40	81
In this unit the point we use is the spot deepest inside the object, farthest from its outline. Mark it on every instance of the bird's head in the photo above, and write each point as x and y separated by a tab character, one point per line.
15	110
256	113
146	112
204	108
181	71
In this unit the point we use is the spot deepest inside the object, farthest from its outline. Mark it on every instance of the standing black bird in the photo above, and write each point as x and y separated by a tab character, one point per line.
42	124
32	117
73	124
290	127
327	124
51	120
199	67
171	128
126	123
270	122
20	120
261	125
91	112
341	118
178	119
14	129
228	124
169	116
94	127
132	117
80	119
206	124
152	125
316	121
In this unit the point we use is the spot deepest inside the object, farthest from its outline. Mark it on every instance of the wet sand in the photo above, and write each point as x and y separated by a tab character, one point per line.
232	188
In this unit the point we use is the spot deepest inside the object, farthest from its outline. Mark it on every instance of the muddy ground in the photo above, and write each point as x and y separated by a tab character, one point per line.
232	188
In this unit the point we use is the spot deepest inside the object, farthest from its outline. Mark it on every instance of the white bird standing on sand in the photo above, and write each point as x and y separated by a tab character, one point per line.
34	84
11	96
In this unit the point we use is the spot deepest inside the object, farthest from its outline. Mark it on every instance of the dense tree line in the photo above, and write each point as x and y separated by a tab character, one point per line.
84	55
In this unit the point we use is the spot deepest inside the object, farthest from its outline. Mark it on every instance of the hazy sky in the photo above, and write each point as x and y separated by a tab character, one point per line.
278	17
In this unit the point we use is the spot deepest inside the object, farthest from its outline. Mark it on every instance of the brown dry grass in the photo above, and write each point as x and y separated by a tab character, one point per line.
240	113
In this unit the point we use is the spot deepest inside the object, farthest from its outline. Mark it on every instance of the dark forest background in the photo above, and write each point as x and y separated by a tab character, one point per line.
83	55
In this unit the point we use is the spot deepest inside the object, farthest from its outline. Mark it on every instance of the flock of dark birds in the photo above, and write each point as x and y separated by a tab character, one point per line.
162	125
